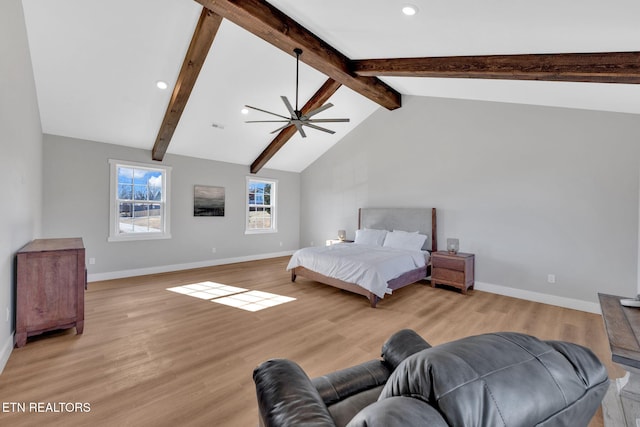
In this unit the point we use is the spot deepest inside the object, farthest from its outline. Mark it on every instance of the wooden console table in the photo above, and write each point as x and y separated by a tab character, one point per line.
621	404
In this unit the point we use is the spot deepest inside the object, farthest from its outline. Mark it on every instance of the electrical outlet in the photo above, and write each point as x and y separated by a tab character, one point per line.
213	250
8	313
280	244
92	261
551	278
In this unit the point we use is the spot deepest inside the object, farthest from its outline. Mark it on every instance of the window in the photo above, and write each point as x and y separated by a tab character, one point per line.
261	206
139	201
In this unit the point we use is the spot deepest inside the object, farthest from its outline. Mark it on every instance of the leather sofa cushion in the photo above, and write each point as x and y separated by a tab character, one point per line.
496	379
344	410
398	411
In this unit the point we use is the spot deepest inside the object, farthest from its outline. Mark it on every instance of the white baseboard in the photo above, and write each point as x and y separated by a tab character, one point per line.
7	348
575	304
95	277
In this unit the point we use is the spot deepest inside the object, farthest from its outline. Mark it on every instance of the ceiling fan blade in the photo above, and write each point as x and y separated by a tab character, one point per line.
267	121
319	128
299	127
281	128
289	107
265	111
328	120
318	110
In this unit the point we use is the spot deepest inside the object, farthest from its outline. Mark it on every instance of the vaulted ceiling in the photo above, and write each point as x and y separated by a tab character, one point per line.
96	64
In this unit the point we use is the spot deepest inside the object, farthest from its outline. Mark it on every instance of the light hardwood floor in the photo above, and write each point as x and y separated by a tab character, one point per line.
150	357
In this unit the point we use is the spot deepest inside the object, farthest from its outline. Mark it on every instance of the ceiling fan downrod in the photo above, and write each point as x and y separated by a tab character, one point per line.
298	52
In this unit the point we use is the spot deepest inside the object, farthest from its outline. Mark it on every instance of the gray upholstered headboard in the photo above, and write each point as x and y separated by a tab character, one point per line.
422	220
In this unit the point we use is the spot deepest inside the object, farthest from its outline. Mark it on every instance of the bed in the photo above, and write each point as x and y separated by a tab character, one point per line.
364	268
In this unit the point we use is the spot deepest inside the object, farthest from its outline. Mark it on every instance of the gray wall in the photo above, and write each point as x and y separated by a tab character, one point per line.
20	159
530	190
76	203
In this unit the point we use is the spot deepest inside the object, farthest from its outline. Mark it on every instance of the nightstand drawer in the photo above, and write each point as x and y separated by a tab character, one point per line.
449	263
448	275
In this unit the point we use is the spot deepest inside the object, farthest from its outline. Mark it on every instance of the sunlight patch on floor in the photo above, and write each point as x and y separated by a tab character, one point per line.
232	296
253	300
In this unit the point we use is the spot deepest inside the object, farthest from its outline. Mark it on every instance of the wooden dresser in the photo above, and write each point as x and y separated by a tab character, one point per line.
50	287
453	269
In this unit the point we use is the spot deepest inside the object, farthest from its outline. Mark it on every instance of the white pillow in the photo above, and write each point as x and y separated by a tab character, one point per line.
370	237
404	240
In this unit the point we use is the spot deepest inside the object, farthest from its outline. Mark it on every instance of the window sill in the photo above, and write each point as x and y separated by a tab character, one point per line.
136	237
260	231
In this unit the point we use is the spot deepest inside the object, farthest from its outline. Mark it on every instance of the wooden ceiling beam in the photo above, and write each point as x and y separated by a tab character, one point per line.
607	67
317	100
273	26
203	36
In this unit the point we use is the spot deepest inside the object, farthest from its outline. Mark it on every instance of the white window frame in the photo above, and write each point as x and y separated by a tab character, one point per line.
273	206
114	227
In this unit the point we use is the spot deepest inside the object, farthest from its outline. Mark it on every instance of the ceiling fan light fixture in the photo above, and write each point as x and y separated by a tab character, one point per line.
409	9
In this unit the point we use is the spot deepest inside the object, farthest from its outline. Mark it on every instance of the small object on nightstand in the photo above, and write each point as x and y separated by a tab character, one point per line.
455	270
453	245
342	235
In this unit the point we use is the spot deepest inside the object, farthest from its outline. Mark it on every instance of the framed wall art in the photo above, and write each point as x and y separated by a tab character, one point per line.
208	200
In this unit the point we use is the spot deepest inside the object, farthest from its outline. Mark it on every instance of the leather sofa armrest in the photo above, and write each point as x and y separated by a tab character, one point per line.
339	385
401	345
286	396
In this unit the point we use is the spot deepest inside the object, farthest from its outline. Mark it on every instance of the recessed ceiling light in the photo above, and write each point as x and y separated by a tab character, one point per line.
409	10
244	111
162	85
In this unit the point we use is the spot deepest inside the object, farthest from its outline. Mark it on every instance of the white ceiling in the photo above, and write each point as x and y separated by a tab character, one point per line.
96	64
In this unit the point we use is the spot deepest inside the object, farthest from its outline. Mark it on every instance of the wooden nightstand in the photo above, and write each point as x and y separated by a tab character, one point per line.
453	270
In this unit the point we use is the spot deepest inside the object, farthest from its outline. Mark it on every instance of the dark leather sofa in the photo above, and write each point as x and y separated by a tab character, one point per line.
498	379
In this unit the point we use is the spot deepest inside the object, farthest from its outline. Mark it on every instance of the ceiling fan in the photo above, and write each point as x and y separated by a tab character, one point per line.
298	119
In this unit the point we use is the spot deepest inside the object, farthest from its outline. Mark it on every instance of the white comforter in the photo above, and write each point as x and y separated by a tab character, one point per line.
368	266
